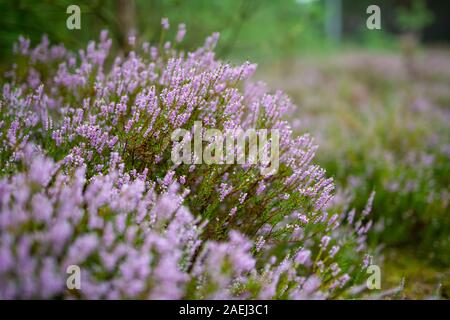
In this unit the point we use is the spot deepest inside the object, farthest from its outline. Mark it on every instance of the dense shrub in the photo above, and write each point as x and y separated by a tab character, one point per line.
87	179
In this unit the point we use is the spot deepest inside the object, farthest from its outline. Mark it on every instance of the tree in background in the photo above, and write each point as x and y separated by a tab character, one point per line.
412	21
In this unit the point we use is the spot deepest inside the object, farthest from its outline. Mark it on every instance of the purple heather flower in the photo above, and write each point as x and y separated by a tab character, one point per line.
165	23
324	242
181	32
303	257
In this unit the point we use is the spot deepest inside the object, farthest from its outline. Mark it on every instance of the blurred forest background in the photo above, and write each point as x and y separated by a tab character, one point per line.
377	101
253	29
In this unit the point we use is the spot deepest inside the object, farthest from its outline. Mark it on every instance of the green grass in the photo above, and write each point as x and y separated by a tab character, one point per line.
421	280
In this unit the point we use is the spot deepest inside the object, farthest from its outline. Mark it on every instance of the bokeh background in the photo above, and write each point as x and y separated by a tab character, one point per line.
377	101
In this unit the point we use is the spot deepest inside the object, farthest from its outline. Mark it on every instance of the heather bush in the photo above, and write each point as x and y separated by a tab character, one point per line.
87	180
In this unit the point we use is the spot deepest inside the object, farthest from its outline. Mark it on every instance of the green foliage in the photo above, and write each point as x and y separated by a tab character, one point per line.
250	29
416	18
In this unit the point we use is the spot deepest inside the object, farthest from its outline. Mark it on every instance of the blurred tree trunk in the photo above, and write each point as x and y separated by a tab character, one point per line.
126	20
333	19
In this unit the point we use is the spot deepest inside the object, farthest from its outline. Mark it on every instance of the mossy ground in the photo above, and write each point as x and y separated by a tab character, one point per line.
421	279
